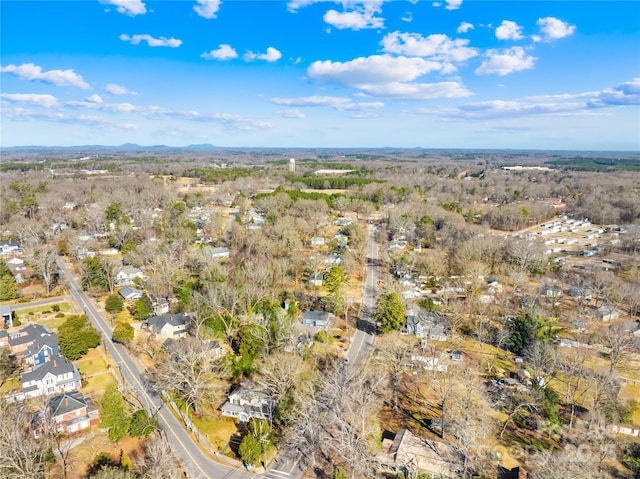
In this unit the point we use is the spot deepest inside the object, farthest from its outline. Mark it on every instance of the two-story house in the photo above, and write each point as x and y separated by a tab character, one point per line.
169	326
53	377
247	401
20	340
42	350
127	275
72	412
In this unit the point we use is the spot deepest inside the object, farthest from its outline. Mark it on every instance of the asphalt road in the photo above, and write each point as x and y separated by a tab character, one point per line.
362	342
41	302
194	462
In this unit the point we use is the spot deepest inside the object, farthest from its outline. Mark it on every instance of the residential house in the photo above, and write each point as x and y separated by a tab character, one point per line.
169	326
53	377
72	412
423	324
456	355
247	401
16	264
626	429
130	294
6	316
317	241
127	275
10	247
413	455
217	253
607	313
551	290
430	363
580	293
42	350
159	304
20	340
333	259
316	279
317	319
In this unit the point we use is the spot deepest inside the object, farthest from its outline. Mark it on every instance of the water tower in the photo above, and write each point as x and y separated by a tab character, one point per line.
292	165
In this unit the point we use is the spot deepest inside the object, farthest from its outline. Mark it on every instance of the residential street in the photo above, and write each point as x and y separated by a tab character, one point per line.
195	463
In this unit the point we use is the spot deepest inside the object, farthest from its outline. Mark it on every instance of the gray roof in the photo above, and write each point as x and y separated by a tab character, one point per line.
316	315
66	403
158	322
5	310
35	347
128	291
57	366
29	334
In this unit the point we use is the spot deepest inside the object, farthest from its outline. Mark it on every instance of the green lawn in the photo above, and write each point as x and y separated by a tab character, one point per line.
95	386
91	363
65	307
218	430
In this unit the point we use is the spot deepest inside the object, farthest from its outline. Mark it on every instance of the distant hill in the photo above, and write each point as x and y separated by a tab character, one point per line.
124	147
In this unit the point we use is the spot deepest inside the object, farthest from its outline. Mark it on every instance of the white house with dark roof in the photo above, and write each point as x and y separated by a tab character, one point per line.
317	319
217	252
127	275
53	377
169	326
130	294
247	401
10	247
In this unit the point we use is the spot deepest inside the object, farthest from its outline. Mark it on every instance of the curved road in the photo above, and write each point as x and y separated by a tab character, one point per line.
194	462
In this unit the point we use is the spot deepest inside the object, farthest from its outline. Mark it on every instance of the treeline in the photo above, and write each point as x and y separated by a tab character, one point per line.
302	195
340	182
217	175
597	164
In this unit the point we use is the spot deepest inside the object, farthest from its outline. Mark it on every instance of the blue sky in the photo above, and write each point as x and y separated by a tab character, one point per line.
303	73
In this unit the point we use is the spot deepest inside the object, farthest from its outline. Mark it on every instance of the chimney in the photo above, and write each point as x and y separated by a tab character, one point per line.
54	363
66	400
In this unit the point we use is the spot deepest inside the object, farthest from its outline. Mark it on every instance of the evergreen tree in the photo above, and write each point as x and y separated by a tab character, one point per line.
123	333
8	287
76	336
250	450
142	424
114	303
142	308
115	416
390	315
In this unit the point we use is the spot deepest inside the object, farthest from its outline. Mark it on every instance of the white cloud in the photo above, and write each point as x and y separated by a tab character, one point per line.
294	5
29	71
503	62
44	101
436	4
333	102
224	52
624	94
437	46
293	113
151	41
627	93
271	55
363	16
509	30
207	8
118	90
464	27
453	4
553	29
94	99
127	7
388	76
408	17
